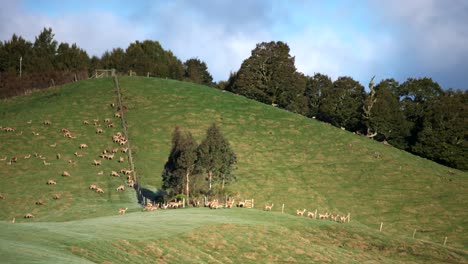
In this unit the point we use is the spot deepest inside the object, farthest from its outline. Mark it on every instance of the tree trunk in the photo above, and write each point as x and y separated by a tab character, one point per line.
210	177
222	184
187	188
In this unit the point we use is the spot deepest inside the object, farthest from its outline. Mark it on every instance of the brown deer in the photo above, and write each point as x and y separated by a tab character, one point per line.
268	207
300	212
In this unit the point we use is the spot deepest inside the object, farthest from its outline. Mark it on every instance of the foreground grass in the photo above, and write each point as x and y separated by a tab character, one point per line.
200	235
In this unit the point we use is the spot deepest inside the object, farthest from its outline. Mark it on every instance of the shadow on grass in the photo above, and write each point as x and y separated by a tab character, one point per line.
145	194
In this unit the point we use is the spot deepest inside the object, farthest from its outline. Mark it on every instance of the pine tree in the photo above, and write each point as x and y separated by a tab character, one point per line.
180	165
216	157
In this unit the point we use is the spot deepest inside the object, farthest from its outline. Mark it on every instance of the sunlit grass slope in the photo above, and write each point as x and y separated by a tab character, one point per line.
283	158
303	163
24	182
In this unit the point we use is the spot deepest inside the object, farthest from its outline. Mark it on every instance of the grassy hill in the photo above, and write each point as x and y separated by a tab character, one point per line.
283	158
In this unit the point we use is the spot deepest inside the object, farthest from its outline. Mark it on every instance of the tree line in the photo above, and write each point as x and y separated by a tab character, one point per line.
417	115
198	169
26	65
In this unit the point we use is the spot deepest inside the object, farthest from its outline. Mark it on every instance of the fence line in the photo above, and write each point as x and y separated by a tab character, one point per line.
125	131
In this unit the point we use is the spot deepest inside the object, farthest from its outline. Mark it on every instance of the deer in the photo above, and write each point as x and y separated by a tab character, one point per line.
121	159
53	145
47	122
93	187
122	210
83	146
120	188
29	215
115	174
56	196
100	173
124	150
229	204
117	115
99	190
96	162
324	216
107	120
268	207
300	212
85	122
66	174
99	131
312	214
46	163
51	182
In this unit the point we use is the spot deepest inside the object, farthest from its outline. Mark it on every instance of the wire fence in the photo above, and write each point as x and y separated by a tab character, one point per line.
125	131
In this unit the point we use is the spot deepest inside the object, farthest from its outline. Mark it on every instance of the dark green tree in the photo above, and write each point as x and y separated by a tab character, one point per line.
269	76
181	164
71	58
10	53
44	51
342	105
315	88
196	71
114	60
415	96
444	135
150	57
386	117
216	157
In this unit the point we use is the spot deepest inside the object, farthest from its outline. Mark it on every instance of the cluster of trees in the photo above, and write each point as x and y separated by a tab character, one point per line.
25	65
417	115
198	169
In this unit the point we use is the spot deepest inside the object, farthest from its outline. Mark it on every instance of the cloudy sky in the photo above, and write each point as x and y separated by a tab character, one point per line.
389	39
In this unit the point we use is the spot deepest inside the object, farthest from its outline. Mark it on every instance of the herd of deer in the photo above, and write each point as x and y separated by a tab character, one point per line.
327	215
118	138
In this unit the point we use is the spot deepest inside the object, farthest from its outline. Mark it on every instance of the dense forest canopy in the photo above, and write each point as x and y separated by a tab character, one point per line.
417	115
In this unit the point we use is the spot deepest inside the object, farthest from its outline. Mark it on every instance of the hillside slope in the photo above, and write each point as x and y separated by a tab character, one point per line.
303	163
283	158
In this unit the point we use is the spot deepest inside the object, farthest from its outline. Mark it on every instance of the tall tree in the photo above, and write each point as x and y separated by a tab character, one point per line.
44	51
180	166
444	136
269	76
415	96
216	157
10	53
114	60
315	88
342	105
71	58
386	116
196	71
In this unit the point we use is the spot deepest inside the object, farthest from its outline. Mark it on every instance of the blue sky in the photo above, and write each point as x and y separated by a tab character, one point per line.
389	39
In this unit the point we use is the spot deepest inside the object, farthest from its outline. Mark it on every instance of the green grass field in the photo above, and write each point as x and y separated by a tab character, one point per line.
283	158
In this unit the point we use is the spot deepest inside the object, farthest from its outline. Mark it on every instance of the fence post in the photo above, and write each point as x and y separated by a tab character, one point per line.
252	203
282	209
381	225
183	202
414	233
445	241
147	75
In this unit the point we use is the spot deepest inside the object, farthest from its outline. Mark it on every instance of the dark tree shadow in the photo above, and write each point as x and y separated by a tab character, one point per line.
144	194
